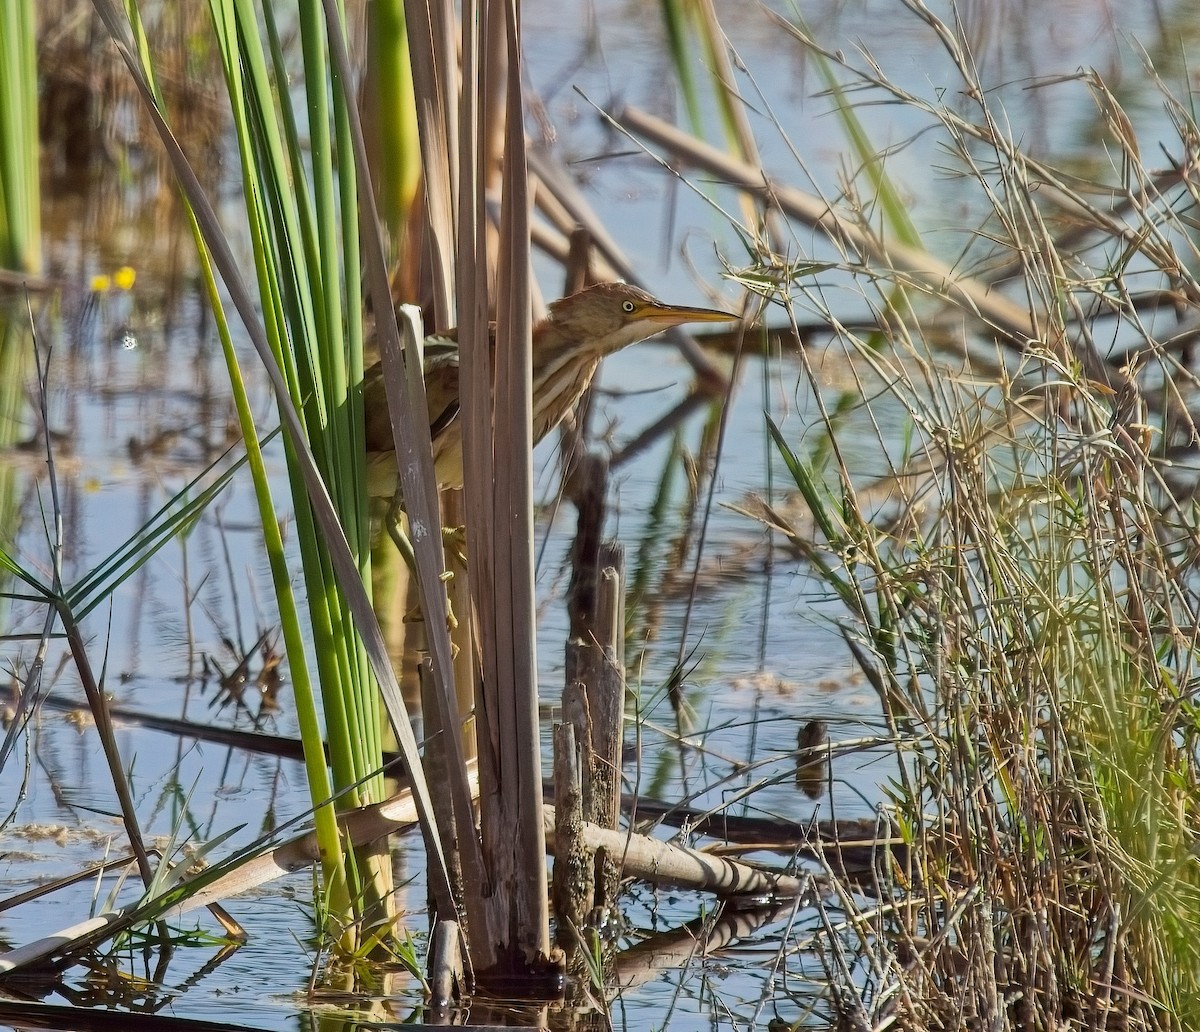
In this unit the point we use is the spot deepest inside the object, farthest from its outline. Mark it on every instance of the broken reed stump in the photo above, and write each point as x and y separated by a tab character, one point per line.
594	693
598	664
588	489
594	703
812	758
574	879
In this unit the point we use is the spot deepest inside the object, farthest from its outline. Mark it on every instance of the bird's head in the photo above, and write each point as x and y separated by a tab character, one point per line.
609	316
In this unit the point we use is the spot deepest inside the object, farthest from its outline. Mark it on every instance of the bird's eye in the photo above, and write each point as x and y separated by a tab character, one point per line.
628	307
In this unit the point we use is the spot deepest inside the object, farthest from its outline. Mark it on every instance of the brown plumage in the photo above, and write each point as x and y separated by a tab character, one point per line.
568	346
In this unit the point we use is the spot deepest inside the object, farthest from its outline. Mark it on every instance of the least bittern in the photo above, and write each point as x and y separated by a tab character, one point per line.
568	346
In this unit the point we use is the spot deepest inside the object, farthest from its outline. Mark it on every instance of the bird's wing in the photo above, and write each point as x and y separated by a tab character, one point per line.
441	383
441	392
377	422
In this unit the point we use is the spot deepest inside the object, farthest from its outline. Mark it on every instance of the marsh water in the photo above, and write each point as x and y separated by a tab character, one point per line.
139	406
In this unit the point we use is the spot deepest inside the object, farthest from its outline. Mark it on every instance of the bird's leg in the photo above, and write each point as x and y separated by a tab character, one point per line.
454	533
454	541
391	521
396	532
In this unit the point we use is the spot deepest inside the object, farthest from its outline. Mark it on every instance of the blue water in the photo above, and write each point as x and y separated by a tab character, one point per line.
760	632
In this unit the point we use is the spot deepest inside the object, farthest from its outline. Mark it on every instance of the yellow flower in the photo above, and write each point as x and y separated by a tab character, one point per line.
124	277
101	283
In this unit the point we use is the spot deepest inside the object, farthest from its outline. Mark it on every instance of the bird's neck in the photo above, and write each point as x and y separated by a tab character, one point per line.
550	341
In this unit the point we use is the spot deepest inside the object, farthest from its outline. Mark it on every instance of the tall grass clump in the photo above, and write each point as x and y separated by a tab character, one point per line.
311	218
301	186
1022	586
1031	640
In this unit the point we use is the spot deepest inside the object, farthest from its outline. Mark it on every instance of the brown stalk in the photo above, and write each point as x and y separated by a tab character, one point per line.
475	387
510	791
430	25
